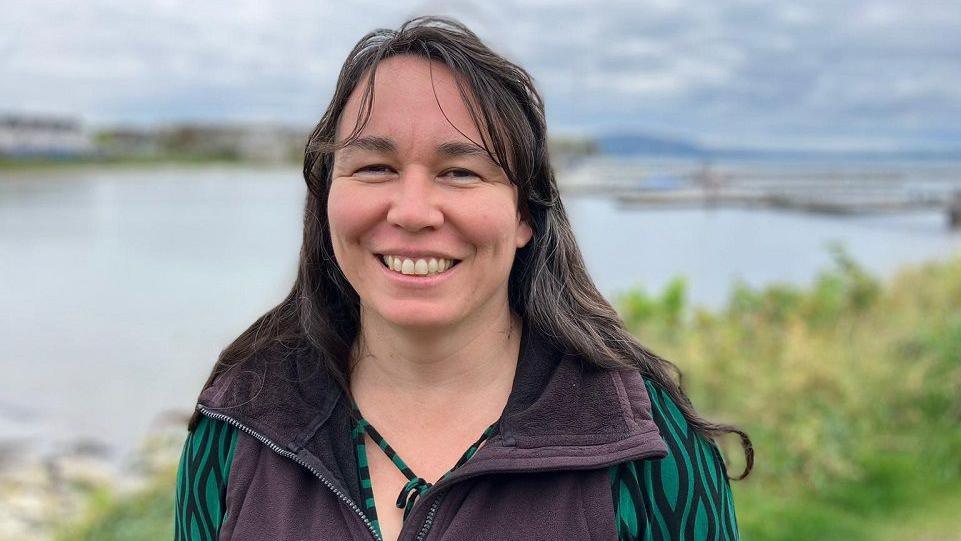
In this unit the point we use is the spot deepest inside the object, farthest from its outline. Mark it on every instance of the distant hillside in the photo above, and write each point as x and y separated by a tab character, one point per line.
639	144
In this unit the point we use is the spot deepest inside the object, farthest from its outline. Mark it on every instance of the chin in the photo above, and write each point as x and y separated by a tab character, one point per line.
421	320
422	323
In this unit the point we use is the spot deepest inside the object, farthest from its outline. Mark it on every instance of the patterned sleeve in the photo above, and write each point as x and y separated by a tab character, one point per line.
685	495
202	480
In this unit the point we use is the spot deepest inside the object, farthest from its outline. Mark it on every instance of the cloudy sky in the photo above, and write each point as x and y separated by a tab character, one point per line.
811	74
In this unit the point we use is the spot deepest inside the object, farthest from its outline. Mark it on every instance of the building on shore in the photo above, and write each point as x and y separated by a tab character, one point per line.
43	136
262	142
253	142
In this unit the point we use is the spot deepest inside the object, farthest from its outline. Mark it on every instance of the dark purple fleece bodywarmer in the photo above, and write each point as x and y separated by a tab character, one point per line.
543	475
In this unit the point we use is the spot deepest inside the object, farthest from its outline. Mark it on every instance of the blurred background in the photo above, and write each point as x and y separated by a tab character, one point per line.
769	192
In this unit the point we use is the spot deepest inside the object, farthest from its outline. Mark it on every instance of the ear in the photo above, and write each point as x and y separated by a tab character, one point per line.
524	233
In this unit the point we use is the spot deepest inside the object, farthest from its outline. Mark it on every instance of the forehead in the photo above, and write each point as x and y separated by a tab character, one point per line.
415	101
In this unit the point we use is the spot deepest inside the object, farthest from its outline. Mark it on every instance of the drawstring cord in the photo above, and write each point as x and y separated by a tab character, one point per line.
408	495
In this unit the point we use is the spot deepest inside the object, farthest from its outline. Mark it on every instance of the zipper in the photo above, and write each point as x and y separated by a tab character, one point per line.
429	521
283	452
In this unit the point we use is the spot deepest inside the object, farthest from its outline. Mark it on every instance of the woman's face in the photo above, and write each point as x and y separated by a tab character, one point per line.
414	189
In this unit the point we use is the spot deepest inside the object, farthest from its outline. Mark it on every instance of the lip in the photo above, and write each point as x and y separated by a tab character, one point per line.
414	280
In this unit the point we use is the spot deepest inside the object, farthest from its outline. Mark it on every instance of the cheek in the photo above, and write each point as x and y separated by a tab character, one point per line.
493	229
349	214
338	214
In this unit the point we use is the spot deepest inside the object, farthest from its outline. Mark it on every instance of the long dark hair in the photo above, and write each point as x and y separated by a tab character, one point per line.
549	287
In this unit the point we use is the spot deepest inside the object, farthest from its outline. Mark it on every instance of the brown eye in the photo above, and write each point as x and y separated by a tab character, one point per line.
460	174
375	169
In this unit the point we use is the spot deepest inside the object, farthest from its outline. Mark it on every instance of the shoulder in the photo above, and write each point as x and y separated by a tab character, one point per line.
683	495
674	428
202	476
210	442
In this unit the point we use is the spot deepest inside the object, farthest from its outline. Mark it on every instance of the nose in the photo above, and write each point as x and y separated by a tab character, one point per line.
413	204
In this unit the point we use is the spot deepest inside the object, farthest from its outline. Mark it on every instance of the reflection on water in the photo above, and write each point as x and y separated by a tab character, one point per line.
121	287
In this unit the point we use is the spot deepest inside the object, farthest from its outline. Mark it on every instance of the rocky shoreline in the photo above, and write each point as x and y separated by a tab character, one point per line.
46	486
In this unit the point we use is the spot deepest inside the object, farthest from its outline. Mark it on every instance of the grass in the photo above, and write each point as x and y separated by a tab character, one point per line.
895	501
110	516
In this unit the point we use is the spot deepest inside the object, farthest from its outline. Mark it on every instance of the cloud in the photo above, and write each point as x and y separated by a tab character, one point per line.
771	72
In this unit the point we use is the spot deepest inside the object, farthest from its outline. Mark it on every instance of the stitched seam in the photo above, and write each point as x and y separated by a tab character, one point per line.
626	409
580	499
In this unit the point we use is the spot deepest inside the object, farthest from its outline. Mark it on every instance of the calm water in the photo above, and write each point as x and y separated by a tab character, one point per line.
119	288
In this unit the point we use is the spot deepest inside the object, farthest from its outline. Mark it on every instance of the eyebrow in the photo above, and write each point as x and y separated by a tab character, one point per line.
386	145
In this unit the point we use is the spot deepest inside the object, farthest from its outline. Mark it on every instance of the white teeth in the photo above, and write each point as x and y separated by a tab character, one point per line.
421	267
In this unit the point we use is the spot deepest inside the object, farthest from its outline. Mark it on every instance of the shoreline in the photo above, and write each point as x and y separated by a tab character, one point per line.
46	483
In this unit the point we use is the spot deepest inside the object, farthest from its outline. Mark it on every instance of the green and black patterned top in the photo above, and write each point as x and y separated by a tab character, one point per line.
684	495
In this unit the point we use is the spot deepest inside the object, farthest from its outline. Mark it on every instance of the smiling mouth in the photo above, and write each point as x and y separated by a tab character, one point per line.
427	266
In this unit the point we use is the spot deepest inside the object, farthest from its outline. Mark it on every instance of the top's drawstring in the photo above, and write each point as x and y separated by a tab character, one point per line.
408	495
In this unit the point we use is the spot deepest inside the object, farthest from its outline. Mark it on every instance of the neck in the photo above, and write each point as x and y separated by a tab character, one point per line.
459	367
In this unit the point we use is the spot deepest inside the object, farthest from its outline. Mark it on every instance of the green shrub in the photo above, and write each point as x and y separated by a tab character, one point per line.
849	388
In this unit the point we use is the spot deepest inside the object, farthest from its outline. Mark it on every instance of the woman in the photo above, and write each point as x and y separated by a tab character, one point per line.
442	305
